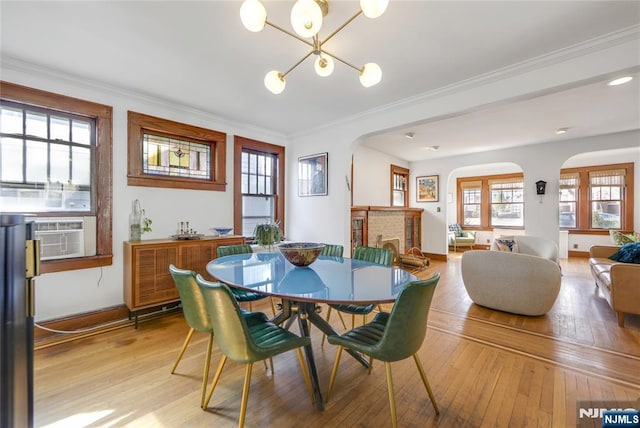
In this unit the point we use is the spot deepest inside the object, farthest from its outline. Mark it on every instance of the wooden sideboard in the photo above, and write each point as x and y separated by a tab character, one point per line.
147	281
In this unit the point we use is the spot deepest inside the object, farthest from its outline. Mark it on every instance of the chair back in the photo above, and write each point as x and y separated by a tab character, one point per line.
332	250
194	308
406	326
381	256
229	326
228	250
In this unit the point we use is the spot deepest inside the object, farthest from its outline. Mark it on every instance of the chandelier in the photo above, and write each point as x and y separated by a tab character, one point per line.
306	20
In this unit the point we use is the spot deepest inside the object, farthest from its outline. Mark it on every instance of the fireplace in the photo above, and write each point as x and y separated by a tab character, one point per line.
393	245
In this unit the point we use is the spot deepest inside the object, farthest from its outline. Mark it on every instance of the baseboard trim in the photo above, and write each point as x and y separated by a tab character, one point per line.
72	324
434	256
584	254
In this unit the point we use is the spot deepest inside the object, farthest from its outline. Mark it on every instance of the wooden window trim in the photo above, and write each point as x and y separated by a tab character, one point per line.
583	202
101	179
139	123
398	170
239	144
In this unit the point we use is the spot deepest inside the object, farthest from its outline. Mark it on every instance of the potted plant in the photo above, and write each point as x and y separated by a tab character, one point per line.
267	234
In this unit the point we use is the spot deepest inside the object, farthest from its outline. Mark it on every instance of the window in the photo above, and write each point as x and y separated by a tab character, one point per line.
259	191
55	160
491	201
471	202
507	202
163	153
569	189
597	197
399	186
45	160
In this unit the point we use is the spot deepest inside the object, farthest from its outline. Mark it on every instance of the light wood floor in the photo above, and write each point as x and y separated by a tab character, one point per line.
486	368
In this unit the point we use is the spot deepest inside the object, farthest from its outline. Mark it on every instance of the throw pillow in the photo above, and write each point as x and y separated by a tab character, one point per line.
620	238
628	253
455	228
507	245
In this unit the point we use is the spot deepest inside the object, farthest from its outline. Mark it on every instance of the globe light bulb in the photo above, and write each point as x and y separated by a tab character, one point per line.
324	65
306	18
274	81
370	75
373	8
253	15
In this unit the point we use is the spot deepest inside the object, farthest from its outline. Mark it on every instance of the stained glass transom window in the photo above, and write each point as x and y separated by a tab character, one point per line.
176	158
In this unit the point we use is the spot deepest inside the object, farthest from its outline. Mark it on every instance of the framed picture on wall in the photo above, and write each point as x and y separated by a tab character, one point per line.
427	188
312	175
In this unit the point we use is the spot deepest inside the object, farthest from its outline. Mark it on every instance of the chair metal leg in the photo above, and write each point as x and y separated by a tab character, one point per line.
273	306
370	364
426	383
184	348
324	336
305	374
392	398
344	325
334	371
245	394
207	363
216	377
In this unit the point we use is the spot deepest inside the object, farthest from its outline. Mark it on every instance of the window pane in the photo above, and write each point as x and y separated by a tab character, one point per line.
59	128
81	166
471	215
256	210
36	162
11	120
59	163
81	132
605	215
37	124
11	159
568	214
507	215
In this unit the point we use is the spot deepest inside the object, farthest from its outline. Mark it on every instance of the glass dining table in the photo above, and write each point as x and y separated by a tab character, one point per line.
329	280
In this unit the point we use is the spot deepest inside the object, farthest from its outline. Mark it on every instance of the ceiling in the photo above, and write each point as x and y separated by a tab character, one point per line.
198	54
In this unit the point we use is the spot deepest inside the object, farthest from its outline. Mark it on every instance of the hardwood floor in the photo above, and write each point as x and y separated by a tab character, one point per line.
486	368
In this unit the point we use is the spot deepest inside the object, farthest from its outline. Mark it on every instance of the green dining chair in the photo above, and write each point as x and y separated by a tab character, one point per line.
393	336
380	256
243	295
197	318
332	250
244	343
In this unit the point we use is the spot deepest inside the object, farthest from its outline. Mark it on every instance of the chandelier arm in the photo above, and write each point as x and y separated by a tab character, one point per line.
337	30
295	36
358	69
297	64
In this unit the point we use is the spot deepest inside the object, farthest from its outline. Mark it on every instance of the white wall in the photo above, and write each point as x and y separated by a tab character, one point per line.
371	185
64	293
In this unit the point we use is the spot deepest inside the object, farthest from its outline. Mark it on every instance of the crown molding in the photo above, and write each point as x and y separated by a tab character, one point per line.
57	75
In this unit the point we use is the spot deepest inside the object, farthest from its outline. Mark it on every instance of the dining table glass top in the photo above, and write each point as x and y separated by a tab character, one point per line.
328	279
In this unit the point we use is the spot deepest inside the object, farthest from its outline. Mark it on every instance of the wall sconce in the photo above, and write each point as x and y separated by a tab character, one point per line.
540	188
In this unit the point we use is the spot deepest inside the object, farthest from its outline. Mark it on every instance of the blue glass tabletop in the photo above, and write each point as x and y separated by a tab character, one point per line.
327	280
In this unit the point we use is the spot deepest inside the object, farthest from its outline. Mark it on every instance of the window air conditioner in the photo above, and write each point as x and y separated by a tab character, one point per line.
66	237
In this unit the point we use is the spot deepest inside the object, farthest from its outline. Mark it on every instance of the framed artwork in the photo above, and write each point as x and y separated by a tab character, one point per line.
427	188
312	175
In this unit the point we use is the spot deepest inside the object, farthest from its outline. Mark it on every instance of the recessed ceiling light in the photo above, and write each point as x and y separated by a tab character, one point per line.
620	81
432	148
409	135
561	131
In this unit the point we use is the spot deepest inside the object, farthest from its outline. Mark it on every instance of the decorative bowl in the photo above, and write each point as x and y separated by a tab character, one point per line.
223	231
301	254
